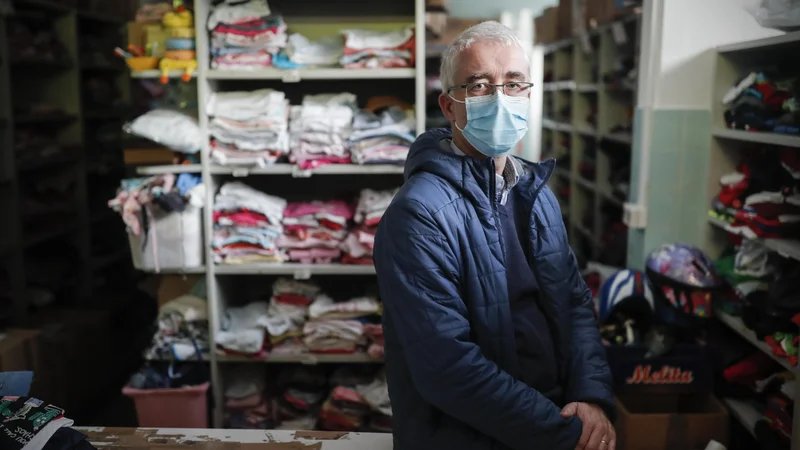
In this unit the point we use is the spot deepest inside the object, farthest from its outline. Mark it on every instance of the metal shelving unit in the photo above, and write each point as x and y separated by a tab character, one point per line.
575	91
732	62
382	16
57	83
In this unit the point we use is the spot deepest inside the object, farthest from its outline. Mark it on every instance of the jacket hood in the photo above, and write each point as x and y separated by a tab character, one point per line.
467	173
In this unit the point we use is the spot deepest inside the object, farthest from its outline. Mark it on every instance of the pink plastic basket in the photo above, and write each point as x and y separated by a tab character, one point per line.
185	407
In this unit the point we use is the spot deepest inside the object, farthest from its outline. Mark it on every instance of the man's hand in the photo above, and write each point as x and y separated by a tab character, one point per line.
598	433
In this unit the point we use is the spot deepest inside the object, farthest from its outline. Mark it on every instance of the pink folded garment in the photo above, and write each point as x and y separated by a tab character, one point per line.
315	255
355	249
337	208
293	242
307	164
301	231
241	218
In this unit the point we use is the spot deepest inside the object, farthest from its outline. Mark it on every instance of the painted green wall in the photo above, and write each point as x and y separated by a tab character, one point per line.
676	201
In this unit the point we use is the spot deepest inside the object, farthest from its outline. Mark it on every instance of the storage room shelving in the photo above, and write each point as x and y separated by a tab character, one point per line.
733	62
57	81
581	115
314	20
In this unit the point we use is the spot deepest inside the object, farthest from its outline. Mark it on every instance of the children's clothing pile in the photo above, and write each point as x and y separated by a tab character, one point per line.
762	197
243	330
383	138
374	332
303	52
313	231
302	391
248	128
244	35
337	327
376	395
320	128
247	224
764	102
368	49
287	313
360	242
246	405
182	328
349	406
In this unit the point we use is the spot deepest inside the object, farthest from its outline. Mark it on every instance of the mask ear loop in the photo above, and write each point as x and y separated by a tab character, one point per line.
458	101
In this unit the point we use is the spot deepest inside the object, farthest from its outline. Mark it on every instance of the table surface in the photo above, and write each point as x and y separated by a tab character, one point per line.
221	439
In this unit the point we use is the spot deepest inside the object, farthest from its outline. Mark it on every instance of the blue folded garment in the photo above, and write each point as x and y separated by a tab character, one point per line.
15	384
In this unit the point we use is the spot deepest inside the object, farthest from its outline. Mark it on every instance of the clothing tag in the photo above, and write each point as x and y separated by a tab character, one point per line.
291	76
297	172
586	43
302	274
238	173
618	31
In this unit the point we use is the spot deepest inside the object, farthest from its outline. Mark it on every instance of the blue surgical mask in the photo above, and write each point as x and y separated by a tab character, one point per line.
495	123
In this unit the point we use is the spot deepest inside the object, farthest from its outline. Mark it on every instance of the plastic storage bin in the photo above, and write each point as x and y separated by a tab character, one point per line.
170	240
185	407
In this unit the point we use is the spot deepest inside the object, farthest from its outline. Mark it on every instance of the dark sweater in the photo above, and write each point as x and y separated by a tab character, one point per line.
535	347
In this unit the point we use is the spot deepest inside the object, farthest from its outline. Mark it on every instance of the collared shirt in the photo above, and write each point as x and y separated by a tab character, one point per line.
503	183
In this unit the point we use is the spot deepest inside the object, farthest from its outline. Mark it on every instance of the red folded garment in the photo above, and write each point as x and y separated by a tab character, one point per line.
293	299
366	261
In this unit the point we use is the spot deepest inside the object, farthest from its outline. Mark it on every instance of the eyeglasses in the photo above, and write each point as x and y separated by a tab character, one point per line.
511	89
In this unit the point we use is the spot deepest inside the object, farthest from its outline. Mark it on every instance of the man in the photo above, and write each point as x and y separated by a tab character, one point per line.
491	340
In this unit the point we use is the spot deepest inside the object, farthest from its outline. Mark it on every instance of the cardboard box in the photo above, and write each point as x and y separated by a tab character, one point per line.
686	369
546	26
564	14
669	422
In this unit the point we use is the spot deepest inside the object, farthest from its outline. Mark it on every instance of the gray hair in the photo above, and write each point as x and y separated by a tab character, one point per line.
490	31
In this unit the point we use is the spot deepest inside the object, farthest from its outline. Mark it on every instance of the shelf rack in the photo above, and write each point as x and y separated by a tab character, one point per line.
58	83
222	278
733	62
575	89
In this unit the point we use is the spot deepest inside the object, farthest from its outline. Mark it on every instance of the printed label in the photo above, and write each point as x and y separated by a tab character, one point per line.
643	374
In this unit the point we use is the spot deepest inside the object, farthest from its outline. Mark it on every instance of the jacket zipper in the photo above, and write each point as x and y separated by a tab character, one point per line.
495	208
534	267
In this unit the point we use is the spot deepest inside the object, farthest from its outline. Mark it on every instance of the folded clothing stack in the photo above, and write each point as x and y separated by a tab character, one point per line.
314	231
287	313
243	330
248	128
762	197
246	405
383	138
320	128
358	400
374	332
182	328
244	35
247	224
376	395
338	327
764	102
359	243
302	391
368	49
302	52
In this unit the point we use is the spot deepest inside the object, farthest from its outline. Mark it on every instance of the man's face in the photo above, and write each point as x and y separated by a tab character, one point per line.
482	62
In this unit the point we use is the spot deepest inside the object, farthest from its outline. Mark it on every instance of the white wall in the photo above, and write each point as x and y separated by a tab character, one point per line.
690	30
491	9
